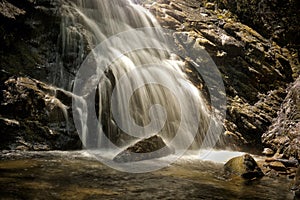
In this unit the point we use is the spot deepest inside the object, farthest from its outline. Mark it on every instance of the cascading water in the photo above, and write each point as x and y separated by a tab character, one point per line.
130	82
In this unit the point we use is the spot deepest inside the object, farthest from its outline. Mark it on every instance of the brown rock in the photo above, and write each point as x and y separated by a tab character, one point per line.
296	185
276	165
268	152
152	147
32	118
244	166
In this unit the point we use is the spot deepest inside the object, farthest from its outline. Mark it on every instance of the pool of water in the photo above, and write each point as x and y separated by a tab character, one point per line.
78	175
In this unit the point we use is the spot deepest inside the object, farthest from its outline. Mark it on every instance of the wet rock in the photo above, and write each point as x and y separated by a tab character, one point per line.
30	32
146	149
32	118
244	166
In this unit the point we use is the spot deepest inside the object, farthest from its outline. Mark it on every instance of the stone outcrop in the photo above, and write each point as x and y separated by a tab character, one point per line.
256	70
33	118
244	166
276	20
283	136
146	149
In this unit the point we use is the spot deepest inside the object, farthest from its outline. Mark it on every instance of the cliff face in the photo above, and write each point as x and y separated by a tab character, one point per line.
32	113
283	136
256	70
258	60
29	32
275	19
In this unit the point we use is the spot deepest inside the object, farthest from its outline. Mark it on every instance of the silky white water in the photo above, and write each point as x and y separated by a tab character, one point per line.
130	86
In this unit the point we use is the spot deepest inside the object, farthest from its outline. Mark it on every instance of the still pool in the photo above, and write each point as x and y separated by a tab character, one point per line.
78	175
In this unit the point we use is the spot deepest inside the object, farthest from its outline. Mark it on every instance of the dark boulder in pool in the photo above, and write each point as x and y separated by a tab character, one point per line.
244	166
146	149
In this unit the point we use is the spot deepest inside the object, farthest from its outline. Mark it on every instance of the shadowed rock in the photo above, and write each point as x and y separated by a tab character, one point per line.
244	166
153	147
296	186
32	118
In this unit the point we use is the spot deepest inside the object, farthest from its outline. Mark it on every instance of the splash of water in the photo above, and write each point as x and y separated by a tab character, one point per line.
135	92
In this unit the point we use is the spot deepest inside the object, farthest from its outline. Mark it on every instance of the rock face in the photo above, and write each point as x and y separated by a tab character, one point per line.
29	36
153	147
33	118
283	136
255	70
277	20
256	52
244	166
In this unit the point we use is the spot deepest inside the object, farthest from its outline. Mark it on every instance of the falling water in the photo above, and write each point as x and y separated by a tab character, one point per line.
135	94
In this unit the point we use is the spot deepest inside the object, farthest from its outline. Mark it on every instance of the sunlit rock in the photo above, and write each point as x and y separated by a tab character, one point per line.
244	166
153	147
283	134
268	152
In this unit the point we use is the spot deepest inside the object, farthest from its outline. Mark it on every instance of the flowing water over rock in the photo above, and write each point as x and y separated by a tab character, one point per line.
138	85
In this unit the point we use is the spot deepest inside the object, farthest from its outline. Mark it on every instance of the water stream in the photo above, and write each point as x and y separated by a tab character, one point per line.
131	86
128	88
78	175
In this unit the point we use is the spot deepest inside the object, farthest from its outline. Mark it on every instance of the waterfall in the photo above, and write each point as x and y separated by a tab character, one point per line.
123	92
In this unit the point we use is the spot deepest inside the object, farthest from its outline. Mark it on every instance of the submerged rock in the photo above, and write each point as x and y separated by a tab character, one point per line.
146	149
244	166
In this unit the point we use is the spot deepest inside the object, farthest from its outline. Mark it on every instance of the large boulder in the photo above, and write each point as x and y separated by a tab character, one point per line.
33	118
146	149
244	166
